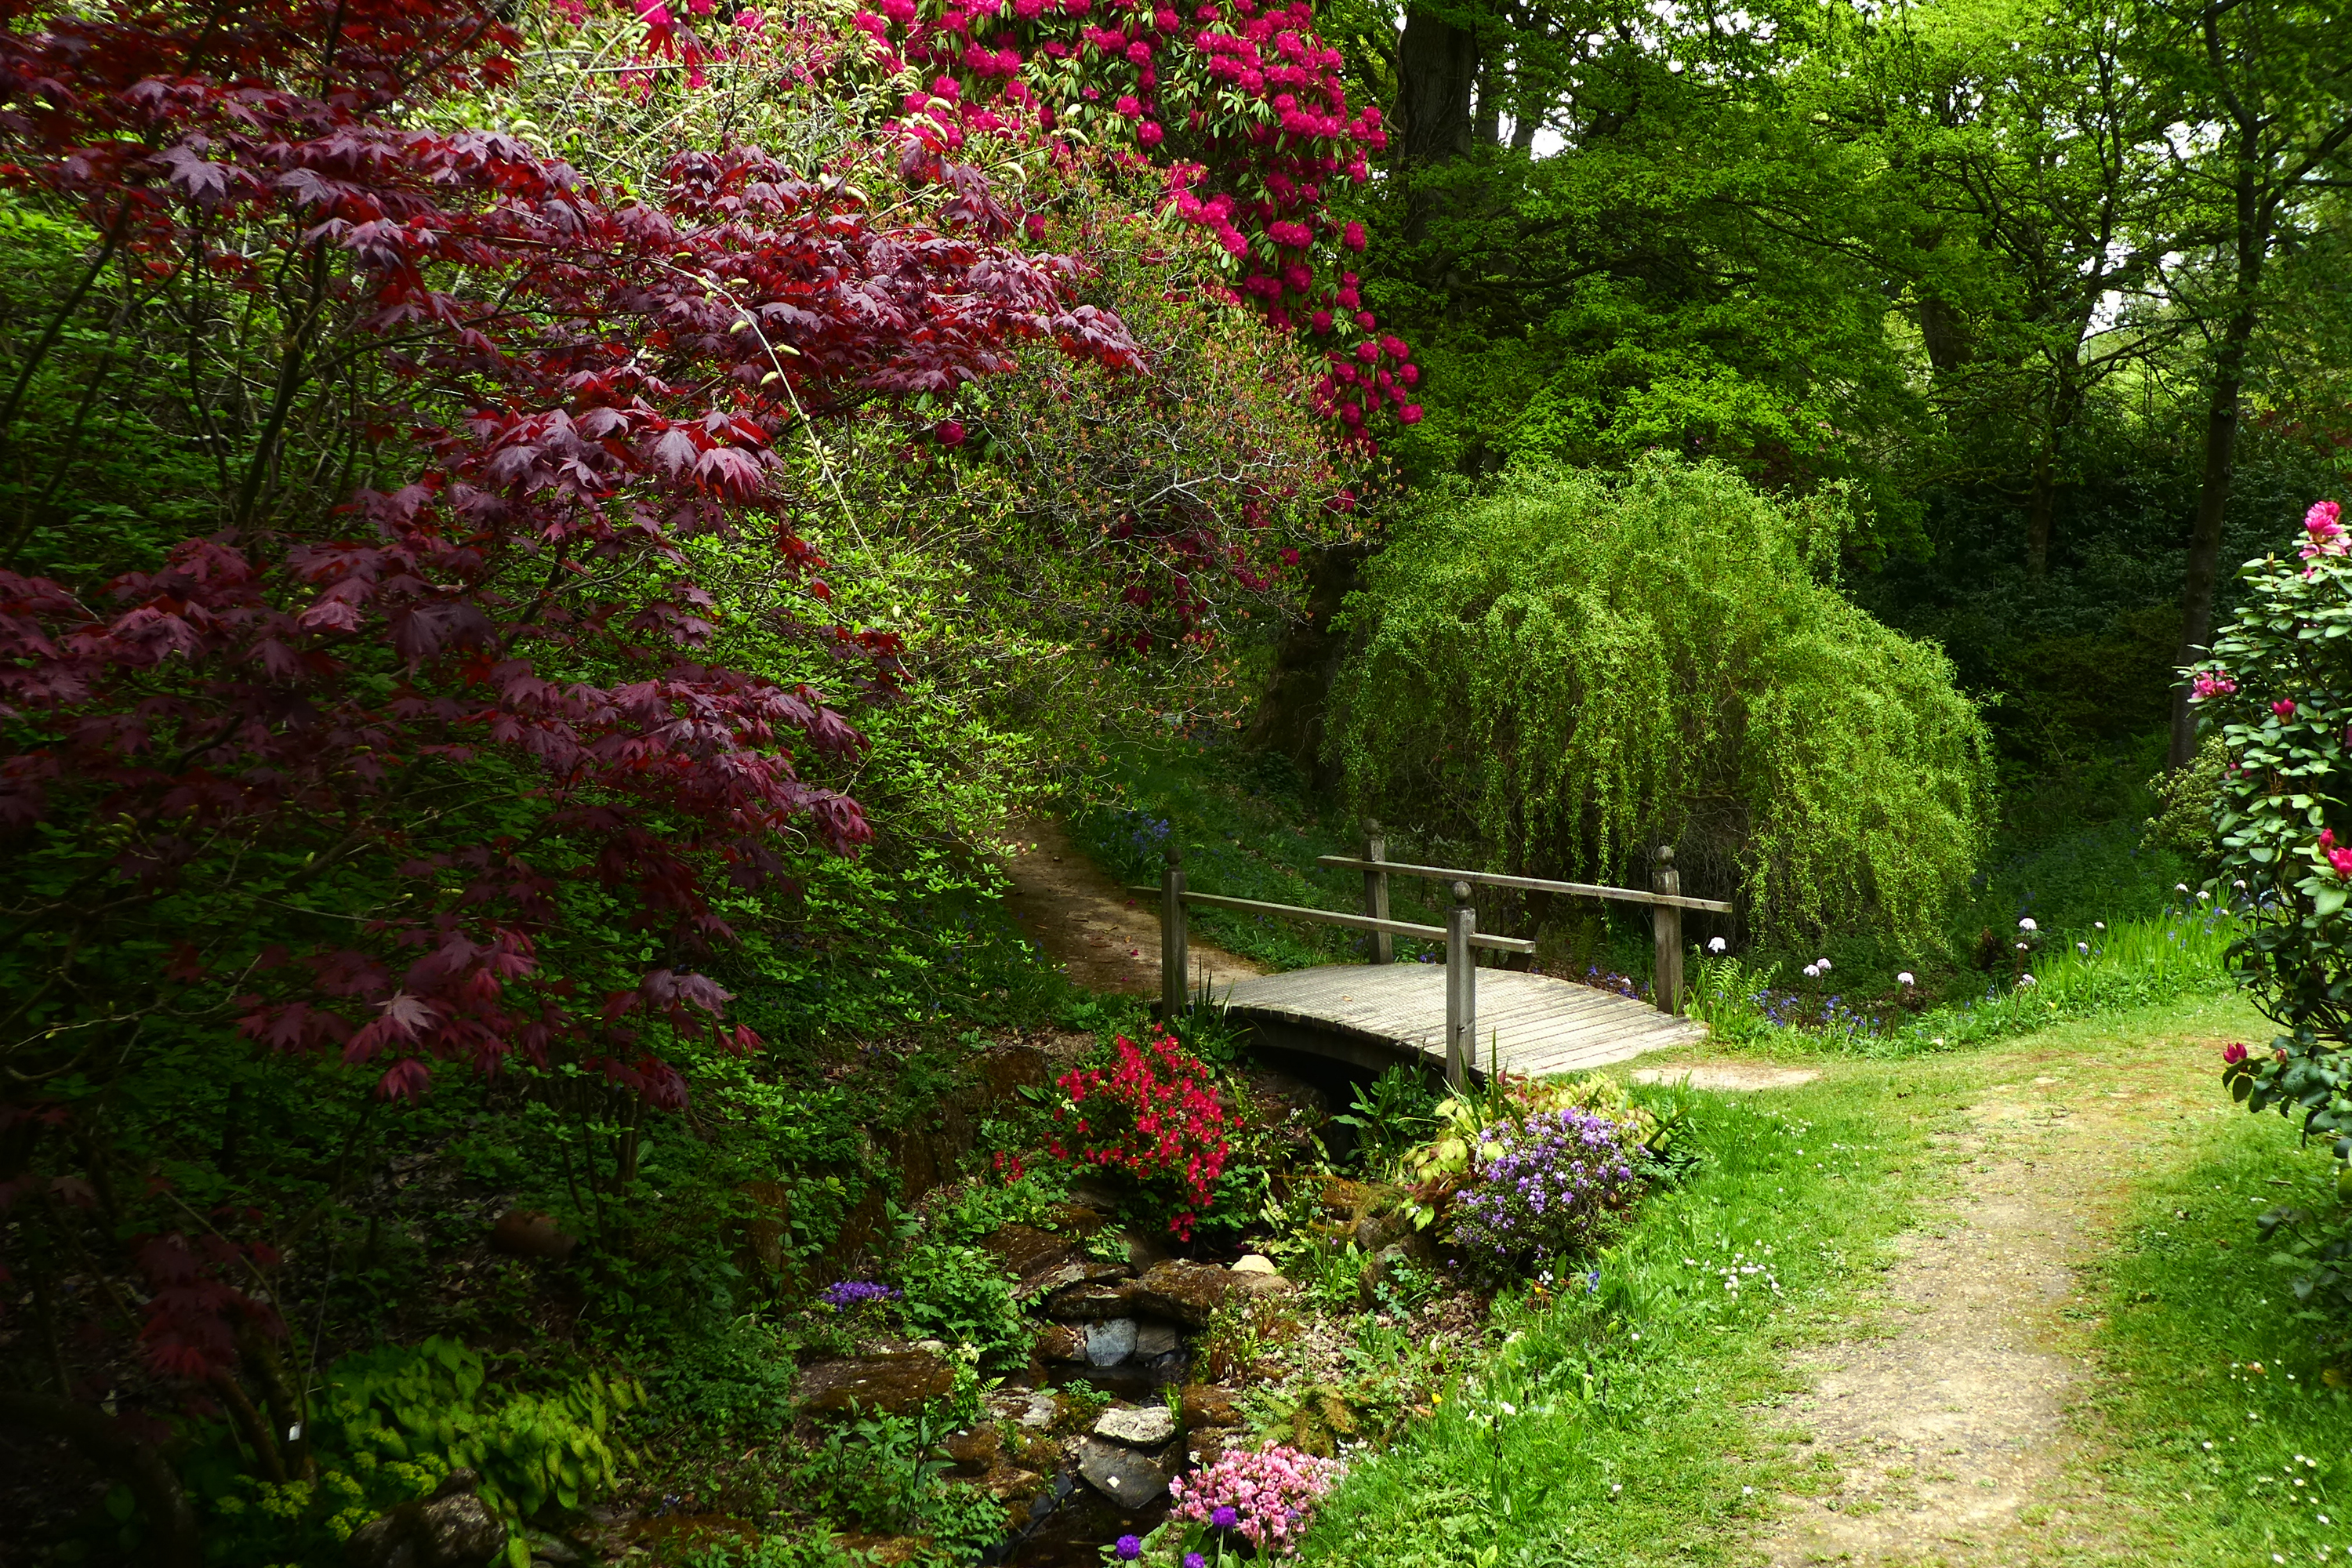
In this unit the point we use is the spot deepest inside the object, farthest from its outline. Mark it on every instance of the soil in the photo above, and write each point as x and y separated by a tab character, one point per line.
1725	1076
1102	936
1948	1429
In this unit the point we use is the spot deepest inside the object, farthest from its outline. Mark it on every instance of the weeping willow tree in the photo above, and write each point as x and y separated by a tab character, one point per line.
1583	667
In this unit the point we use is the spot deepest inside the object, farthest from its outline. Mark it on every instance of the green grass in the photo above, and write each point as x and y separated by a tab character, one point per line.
2205	1449
1630	1443
1637	1451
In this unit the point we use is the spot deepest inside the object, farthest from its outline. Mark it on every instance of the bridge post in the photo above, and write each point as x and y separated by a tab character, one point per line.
1173	960
1376	891
1666	934
1461	991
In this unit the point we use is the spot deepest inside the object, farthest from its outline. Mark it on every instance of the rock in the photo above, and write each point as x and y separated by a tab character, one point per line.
451	1529
1185	1291
1156	1339
1142	1426
1059	1341
1110	1341
1039	1413
1132	1478
1204	1447
895	1385
932	1347
1010	1482
527	1233
1209	1405
1062	1276
1251	1263
974	1452
552	1549
1086	1303
1264	1285
1375	1231
1143	1251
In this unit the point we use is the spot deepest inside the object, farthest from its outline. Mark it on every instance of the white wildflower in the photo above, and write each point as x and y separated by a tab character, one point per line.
1715	944
1905	978
2027	924
2024	980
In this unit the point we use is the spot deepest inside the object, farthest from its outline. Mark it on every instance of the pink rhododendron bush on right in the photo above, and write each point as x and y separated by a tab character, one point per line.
2278	687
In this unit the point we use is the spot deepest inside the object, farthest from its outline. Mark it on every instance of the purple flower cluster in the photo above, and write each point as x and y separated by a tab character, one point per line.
1540	1191
1267	1498
846	1295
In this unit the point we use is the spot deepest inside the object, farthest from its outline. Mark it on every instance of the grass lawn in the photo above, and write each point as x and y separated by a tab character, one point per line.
1639	1420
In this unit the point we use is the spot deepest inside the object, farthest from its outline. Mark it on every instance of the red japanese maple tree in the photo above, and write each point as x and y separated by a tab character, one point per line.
427	771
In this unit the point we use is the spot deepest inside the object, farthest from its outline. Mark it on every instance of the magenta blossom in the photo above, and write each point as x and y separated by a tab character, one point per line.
2233	1055
2209	684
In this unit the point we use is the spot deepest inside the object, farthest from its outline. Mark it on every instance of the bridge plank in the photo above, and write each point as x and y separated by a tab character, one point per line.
1538	1024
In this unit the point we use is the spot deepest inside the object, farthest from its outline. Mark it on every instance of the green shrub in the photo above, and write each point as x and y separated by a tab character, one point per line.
959	1294
882	1473
1580	668
2279	685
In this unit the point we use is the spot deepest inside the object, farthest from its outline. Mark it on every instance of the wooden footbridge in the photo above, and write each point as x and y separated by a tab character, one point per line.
1472	1021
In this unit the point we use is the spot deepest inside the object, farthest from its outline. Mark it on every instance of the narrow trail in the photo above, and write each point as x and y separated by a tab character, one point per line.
1942	1435
1102	936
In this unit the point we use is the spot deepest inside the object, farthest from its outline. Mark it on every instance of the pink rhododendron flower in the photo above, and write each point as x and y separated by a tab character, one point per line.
2233	1055
950	432
1352	237
2209	684
2282	708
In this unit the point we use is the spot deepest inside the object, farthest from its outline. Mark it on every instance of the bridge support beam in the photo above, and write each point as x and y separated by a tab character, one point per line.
1666	934
1173	959
1461	991
1376	891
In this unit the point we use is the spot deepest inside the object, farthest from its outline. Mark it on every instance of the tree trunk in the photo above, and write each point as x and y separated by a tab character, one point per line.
1438	66
2221	437
1487	126
2205	541
1289	717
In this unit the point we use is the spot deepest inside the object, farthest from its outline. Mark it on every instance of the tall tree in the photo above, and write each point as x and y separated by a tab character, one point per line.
2266	88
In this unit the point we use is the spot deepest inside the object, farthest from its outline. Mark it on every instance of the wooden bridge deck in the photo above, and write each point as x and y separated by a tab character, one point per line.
1374	1014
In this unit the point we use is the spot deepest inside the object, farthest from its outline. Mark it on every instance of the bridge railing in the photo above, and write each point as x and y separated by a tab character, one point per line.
1459	932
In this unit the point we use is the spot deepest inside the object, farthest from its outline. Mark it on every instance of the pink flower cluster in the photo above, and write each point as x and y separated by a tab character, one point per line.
2211	683
1257	176
2339	856
2323	527
1267	1497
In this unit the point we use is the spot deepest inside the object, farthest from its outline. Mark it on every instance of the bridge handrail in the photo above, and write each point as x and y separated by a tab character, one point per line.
1354	923
1524	884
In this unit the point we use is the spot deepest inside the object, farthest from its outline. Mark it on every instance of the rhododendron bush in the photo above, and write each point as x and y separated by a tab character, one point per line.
1242	103
1151	1118
2278	689
416	759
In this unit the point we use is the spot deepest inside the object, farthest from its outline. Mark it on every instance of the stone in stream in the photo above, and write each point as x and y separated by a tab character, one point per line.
1252	1263
1188	1292
894	1385
1132	1478
1143	1426
1083	1304
1110	1341
1059	1341
1155	1338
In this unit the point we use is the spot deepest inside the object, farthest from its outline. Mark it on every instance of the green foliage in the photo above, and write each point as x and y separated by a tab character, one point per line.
2279	685
1577	669
961	1294
1391	1114
881	1473
535	1452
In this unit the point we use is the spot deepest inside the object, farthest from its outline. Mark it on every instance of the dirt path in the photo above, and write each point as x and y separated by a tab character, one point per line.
1948	1428
1103	937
